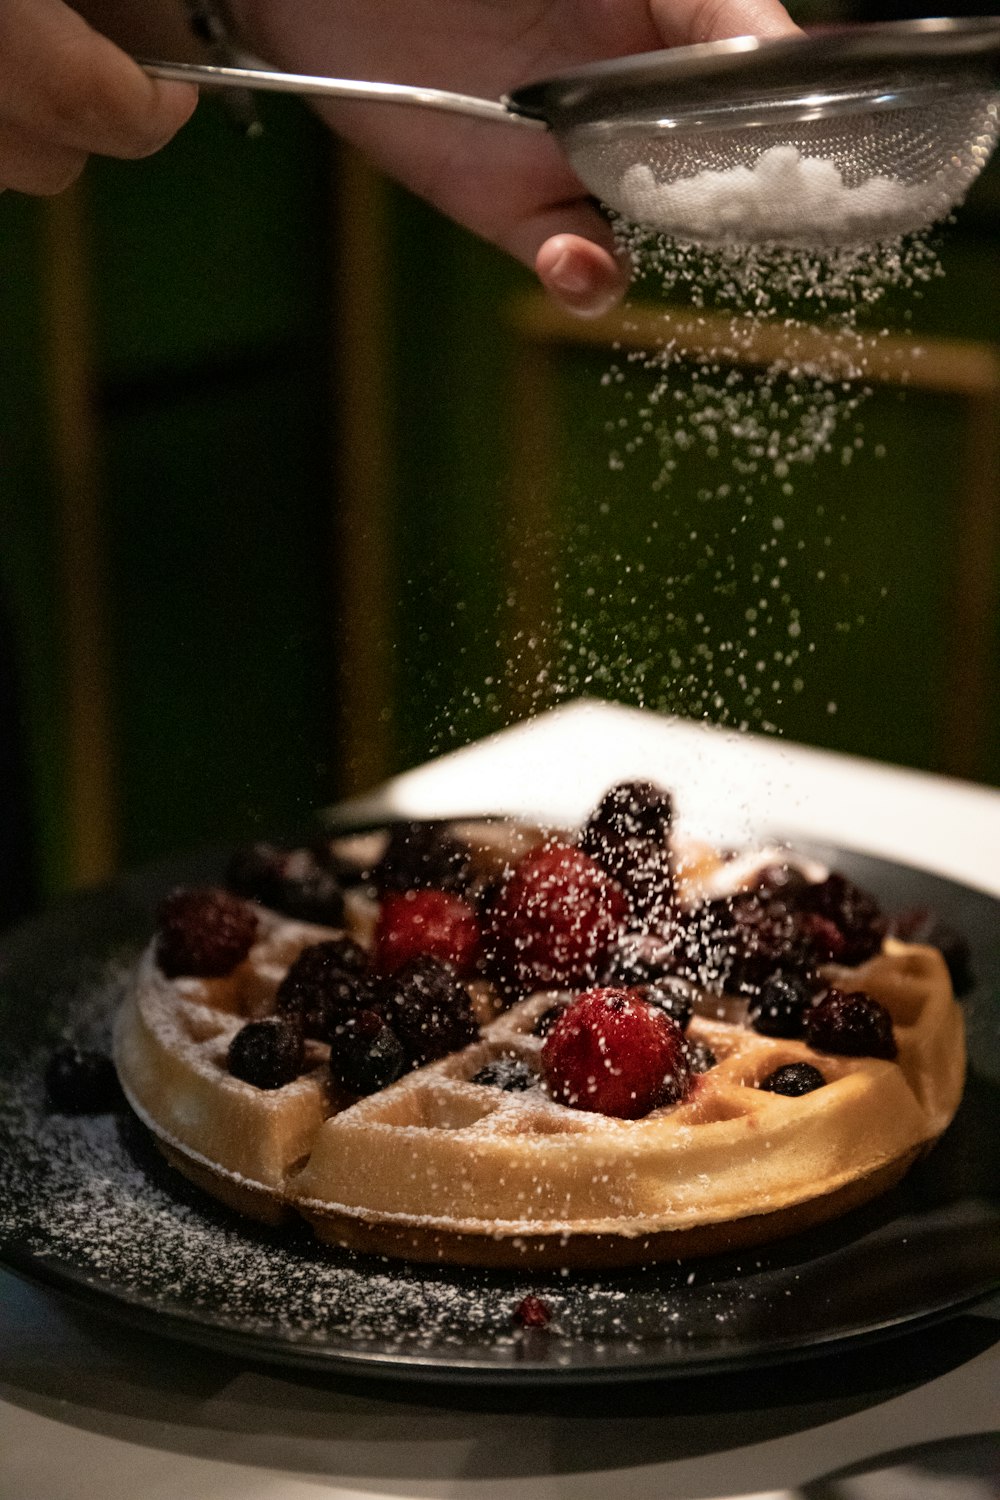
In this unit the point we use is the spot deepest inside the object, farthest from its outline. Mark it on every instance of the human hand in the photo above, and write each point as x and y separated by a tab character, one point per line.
512	187
67	92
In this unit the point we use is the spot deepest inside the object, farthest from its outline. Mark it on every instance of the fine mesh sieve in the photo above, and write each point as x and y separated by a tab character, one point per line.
842	138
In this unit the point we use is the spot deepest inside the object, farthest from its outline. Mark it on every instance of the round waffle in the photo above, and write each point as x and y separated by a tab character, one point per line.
440	1167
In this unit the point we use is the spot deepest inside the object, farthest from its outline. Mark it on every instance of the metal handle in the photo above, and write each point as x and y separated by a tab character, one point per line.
213	76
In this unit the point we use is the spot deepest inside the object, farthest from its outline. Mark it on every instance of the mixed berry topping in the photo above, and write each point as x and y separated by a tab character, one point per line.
643	957
429	1009
507	1073
426	923
612	1053
628	835
554	921
325	984
368	1054
203	932
851	1023
531	1312
793	1080
420	856
81	1081
779	1007
267	1053
302	883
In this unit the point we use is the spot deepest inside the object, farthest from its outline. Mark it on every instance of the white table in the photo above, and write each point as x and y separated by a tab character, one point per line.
89	1409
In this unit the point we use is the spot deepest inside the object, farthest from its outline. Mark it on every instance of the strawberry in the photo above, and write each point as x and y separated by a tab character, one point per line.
426	924
555	920
613	1054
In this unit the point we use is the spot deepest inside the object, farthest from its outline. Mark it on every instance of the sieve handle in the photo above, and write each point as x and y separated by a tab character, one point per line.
212	75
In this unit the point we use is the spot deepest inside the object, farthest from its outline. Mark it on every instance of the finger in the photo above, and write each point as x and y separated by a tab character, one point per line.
586	278
683	22
31	166
69	86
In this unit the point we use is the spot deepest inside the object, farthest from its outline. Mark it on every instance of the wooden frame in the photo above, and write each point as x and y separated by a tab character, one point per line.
963	369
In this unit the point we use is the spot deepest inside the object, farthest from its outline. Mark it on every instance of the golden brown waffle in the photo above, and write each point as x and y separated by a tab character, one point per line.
437	1167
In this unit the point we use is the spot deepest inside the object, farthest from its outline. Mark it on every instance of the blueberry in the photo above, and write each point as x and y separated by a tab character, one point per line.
507	1073
779	1008
81	1082
267	1053
793	1080
853	1024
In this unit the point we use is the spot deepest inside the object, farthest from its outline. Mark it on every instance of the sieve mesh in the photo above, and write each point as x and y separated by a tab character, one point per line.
865	175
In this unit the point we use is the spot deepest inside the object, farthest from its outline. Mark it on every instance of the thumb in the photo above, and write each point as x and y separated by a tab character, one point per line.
683	22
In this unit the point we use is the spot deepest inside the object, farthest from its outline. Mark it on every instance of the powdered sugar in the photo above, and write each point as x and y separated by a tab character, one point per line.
785	196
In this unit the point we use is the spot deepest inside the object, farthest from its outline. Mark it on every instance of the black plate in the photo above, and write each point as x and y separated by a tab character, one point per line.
87	1207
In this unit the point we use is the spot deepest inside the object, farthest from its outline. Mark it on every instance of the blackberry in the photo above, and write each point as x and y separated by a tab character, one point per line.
203	932
267	1053
429	1009
628	810
366	1054
673	995
779	1008
856	913
79	1081
641	958
628	835
736	943
853	1024
507	1073
300	883
700	1058
326	983
423	856
793	1080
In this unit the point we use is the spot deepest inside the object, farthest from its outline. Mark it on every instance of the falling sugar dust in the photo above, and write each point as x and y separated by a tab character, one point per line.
709	572
753	371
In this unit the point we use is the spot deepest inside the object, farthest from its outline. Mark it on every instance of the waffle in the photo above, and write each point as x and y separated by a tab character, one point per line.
437	1167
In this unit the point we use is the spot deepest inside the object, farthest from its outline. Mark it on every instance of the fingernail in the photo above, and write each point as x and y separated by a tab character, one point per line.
569	276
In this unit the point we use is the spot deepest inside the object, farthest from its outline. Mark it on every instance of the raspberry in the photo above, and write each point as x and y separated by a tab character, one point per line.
267	1053
793	1080
81	1082
853	1024
203	932
531	1312
297	882
421	856
612	1053
326	983
366	1055
507	1073
429	1009
435	924
628	835
780	1007
555	920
